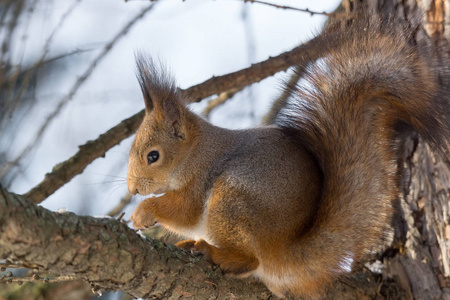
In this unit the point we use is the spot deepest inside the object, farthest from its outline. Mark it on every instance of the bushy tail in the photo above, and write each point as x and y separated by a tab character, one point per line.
349	108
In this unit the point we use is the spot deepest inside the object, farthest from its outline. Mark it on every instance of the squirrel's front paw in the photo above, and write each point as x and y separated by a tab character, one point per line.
142	217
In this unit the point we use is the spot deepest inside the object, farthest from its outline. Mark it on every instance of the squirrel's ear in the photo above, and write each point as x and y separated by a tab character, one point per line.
160	93
174	114
152	81
147	100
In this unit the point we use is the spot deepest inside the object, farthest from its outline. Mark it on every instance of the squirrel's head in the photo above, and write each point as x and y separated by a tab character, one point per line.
164	137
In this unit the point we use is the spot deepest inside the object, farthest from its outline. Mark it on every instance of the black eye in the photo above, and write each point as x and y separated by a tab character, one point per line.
152	156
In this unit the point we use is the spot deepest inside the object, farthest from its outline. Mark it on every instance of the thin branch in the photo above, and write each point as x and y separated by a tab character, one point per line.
15	265
306	10
120	206
58	26
64	55
17	7
62	103
53	59
26	75
250	43
65	171
20	280
286	7
87	153
281	101
219	100
256	72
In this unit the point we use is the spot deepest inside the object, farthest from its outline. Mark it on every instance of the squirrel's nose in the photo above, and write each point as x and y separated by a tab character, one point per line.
133	189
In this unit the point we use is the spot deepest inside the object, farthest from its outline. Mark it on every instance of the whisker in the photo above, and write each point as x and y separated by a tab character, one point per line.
103	182
113	190
107	175
113	181
126	154
138	177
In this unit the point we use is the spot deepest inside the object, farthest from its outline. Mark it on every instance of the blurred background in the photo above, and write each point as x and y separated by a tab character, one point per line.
68	67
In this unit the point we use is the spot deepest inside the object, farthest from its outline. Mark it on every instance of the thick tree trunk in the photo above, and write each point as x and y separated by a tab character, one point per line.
418	260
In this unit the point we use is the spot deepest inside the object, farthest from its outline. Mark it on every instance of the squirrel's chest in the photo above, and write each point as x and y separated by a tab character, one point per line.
196	232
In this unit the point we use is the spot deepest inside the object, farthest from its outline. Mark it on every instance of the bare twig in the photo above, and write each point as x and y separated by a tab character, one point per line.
61	21
53	59
306	10
119	218
17	8
219	100
280	102
15	265
26	75
65	171
8	71
120	206
250	41
20	280
256	72
62	103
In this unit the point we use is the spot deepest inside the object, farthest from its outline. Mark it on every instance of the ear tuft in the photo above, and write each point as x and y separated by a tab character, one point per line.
156	84
161	95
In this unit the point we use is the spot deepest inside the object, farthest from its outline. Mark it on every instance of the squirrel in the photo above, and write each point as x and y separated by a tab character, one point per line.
296	203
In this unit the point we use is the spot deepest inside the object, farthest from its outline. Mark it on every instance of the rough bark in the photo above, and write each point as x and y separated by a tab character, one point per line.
418	260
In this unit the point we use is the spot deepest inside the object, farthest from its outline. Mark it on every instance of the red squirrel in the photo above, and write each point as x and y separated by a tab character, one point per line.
296	203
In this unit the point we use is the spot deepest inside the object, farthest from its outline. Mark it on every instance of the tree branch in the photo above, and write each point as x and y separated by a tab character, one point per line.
300	55
306	10
112	257
65	171
281	101
109	255
87	153
218	101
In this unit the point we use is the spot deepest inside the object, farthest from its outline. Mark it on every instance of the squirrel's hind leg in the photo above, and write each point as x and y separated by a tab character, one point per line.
230	260
186	244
